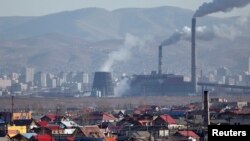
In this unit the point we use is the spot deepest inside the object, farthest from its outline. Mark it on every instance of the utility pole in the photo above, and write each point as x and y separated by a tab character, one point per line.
58	119
12	108
187	124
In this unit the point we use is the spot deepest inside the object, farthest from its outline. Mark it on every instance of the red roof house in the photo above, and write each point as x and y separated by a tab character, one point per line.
180	135
164	120
44	137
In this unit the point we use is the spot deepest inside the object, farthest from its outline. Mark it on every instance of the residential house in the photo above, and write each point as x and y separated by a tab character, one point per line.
23	137
13	130
145	119
42	137
236	117
68	124
50	118
21	115
88	133
142	136
166	121
185	135
99	117
23	122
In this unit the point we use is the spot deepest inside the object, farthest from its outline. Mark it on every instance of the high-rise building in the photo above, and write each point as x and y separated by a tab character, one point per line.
29	75
40	79
63	77
52	83
4	83
82	77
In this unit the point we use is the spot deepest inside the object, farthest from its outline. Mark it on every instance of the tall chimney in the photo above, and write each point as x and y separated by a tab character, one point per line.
160	60
206	109
249	65
193	56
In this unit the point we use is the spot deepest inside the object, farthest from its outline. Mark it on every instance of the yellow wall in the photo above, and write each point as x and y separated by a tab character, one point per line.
14	130
24	115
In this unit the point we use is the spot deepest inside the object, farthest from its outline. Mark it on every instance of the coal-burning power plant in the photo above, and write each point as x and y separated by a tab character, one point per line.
156	83
167	84
103	85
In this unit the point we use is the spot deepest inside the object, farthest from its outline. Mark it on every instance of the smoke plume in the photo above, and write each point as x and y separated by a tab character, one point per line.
203	33
122	87
219	6
123	54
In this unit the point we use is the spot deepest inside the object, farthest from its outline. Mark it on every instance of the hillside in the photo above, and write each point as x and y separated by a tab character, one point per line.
82	40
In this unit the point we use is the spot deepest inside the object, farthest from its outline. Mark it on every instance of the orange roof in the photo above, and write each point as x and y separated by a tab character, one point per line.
186	133
89	130
107	116
110	138
168	119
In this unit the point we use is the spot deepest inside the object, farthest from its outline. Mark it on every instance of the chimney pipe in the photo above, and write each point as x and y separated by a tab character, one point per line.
160	60
206	109
193	56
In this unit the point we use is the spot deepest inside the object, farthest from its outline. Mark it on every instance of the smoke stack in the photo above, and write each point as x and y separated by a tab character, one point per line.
206	109
193	56
102	84
249	65
160	60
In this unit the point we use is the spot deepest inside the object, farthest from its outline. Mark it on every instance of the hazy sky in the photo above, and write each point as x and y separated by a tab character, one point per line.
43	7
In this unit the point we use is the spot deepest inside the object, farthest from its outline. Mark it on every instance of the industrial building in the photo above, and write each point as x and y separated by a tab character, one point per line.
167	84
155	84
159	85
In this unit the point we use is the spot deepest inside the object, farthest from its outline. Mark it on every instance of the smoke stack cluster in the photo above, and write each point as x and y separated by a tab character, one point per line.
103	85
160	60
206	109
193	56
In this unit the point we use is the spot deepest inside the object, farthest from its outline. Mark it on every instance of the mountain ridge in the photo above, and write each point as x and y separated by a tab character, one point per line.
82	39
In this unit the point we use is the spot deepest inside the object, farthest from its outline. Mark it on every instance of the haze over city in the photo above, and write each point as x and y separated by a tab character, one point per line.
122	70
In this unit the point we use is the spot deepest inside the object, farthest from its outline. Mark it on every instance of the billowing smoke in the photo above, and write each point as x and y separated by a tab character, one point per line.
219	6
122	87
174	38
123	54
203	33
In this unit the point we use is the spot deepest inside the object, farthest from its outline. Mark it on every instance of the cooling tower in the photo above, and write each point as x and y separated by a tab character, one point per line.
102	84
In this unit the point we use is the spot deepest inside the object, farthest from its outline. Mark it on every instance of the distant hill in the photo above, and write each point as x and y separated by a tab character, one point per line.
82	39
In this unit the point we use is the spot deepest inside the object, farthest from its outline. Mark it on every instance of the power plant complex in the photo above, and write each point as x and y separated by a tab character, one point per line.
167	84
154	84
